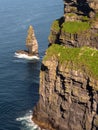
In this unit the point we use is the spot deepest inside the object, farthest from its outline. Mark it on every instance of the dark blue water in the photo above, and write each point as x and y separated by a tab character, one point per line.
19	79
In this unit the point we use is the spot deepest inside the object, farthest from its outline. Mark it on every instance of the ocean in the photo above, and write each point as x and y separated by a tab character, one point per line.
19	78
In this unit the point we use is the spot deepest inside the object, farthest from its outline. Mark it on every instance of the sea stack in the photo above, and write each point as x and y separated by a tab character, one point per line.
31	44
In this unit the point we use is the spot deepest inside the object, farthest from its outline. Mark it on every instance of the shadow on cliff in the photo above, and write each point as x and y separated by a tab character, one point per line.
81	5
84	7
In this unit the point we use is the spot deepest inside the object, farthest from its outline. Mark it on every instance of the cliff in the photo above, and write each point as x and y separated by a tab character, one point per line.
68	89
78	26
69	72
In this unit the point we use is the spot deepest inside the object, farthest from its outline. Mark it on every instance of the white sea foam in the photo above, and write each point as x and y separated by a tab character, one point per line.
24	56
27	123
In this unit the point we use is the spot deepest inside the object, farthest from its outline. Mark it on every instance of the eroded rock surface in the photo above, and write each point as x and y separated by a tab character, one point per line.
79	25
67	98
31	42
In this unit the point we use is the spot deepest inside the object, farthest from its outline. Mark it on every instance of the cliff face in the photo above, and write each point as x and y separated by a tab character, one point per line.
81	7
78	26
88	38
69	72
68	95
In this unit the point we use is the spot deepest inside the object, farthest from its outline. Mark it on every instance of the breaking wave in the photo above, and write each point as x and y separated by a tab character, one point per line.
24	56
27	123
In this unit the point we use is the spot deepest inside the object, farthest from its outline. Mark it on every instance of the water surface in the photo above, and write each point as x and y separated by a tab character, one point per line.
19	79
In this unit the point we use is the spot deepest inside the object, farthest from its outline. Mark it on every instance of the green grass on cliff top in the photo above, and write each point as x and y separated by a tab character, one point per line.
75	27
71	26
55	25
83	58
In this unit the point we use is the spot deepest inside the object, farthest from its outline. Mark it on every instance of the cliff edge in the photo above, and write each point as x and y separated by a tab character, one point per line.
69	72
68	89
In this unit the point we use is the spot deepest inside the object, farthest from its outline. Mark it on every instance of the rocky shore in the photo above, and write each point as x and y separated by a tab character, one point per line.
69	72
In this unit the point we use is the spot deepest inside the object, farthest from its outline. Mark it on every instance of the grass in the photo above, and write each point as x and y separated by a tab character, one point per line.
71	26
55	25
85	18
70	14
75	27
96	15
83	58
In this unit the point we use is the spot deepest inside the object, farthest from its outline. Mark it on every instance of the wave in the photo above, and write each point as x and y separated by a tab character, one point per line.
24	56
27	123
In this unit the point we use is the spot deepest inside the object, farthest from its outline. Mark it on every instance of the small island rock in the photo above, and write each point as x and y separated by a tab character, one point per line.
31	44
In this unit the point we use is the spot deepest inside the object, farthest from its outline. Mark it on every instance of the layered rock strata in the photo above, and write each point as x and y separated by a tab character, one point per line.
79	25
68	95
80	8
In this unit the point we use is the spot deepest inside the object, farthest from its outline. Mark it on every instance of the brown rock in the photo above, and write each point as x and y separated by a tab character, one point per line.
31	44
31	41
77	11
67	100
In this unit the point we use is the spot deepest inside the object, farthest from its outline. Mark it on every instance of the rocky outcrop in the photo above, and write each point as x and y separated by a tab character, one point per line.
31	44
80	8
79	25
74	34
68	94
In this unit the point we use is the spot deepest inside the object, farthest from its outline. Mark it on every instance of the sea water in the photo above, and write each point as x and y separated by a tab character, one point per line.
19	78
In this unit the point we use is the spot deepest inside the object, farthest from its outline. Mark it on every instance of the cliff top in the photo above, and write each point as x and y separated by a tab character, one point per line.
85	58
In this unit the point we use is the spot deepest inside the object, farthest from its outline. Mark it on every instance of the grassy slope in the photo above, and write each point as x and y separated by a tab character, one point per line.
75	27
82	58
71	27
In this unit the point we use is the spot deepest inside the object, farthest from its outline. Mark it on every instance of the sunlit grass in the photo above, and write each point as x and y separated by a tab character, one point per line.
83	58
75	27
